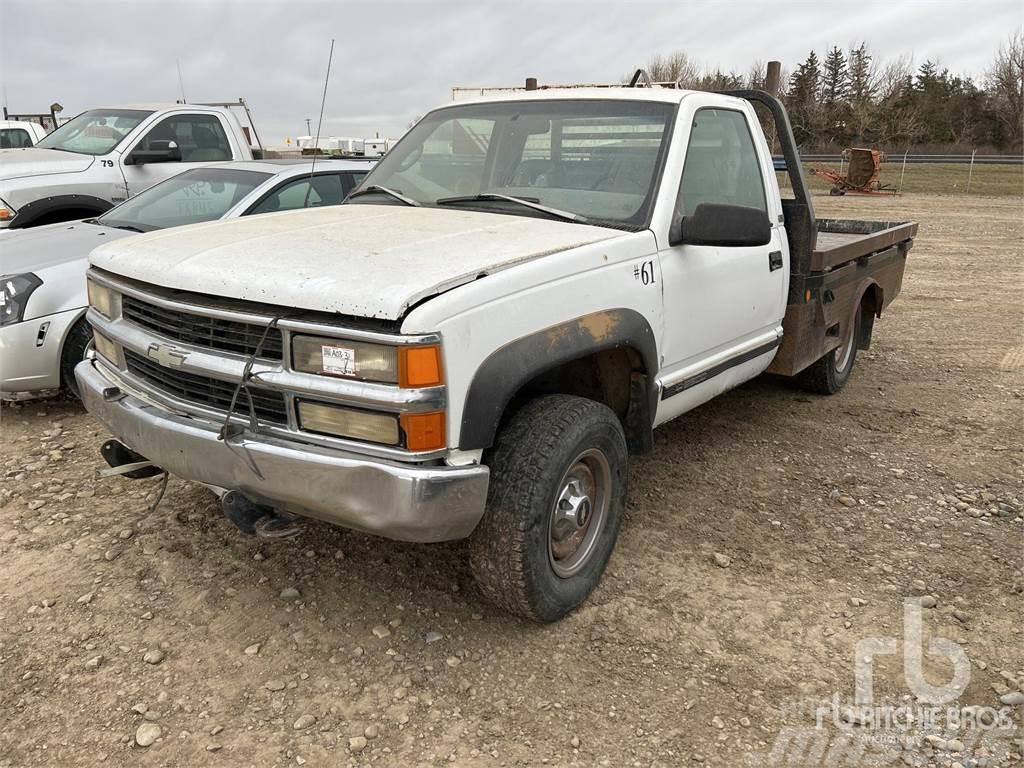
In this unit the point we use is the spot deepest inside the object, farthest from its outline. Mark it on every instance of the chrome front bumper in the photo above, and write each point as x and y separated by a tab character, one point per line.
410	502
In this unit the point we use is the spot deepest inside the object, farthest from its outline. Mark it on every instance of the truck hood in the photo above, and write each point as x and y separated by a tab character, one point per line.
359	260
38	248
33	161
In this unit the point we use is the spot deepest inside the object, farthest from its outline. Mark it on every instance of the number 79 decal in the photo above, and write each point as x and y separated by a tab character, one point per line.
644	272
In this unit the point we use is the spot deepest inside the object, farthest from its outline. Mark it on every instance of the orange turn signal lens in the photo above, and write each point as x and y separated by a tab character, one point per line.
423	431
419	366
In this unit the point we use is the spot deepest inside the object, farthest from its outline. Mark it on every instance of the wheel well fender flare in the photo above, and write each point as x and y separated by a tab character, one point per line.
508	369
31	212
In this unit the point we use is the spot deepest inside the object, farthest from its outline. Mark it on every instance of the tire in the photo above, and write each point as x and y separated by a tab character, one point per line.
527	557
75	344
830	374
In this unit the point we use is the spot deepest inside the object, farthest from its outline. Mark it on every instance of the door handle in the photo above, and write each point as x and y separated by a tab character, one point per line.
774	261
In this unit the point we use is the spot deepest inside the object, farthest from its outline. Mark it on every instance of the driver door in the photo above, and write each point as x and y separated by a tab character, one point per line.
200	137
723	304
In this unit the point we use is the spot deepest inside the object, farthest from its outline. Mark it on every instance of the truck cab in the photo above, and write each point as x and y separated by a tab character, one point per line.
103	156
473	345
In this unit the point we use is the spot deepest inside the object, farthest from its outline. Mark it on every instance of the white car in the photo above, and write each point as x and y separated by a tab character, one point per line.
43	332
19	134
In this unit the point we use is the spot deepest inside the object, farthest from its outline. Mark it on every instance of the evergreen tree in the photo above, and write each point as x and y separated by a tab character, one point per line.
802	101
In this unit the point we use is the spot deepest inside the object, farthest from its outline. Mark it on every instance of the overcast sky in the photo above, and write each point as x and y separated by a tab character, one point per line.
395	60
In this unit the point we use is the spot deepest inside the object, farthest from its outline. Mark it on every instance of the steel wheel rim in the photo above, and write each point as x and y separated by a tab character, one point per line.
579	512
844	352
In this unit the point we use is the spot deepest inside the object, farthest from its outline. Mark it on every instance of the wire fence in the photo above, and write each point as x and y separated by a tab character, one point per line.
944	174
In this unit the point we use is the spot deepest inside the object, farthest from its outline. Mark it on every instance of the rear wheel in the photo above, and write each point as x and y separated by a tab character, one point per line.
830	374
554	507
75	344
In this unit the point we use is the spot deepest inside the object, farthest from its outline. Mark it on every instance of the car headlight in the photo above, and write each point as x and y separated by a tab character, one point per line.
103	300
418	366
345	358
14	293
348	422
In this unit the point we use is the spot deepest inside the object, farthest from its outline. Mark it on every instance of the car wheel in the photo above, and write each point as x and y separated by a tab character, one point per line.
75	344
554	507
830	374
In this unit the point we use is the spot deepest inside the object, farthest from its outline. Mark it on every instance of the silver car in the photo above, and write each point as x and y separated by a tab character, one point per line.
43	332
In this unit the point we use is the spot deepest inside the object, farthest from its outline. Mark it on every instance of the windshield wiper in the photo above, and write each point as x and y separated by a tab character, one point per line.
523	201
128	227
384	190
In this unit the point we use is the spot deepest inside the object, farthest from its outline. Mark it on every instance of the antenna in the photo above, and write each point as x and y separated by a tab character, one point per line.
316	142
181	83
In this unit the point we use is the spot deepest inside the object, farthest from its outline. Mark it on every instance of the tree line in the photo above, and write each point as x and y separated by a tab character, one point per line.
849	97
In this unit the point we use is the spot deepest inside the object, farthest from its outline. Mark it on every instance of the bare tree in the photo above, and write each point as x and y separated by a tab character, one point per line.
1006	83
676	67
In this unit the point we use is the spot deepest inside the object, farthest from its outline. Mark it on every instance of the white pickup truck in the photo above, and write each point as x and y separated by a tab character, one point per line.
472	345
104	156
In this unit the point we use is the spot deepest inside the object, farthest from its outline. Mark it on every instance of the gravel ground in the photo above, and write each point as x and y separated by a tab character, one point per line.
769	533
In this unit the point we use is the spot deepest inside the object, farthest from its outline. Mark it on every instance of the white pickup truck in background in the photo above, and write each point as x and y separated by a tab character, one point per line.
515	297
104	156
19	134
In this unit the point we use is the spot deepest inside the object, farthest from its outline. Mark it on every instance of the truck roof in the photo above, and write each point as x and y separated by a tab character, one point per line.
156	106
669	95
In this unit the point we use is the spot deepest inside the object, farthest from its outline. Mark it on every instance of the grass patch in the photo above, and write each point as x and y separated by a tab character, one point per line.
937	178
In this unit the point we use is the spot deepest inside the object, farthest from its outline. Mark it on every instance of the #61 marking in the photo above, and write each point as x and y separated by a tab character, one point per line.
644	272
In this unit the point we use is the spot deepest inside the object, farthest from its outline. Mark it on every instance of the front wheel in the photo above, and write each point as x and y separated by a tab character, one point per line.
830	374
75	344
554	507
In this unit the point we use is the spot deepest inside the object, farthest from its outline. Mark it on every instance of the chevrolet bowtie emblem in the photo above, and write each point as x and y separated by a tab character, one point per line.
168	357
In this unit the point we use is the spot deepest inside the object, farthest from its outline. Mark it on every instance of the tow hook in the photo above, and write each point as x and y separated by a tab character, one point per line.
257	519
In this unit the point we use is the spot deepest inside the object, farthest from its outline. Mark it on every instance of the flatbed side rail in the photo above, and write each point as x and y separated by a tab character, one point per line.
843	240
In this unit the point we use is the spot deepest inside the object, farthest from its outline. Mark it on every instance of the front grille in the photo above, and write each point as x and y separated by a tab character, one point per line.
210	332
203	390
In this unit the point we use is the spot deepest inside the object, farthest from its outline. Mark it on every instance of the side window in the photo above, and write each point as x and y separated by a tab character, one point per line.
721	163
201	138
14	138
326	190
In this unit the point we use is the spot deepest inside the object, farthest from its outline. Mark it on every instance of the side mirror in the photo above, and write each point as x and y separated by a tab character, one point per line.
722	225
159	151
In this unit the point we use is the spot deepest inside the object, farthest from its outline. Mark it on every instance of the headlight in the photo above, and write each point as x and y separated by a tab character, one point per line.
344	358
14	293
109	349
6	214
405	366
103	300
348	422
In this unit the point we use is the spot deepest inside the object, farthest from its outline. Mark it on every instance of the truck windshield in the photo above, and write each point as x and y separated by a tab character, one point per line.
596	159
95	132
203	194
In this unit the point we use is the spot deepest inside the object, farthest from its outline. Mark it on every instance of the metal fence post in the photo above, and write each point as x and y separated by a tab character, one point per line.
970	172
903	171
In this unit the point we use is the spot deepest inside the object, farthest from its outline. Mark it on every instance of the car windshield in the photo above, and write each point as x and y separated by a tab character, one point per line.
203	194
95	132
595	160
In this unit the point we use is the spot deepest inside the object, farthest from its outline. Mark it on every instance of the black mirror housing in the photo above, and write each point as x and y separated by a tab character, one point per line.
159	152
722	225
